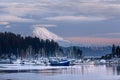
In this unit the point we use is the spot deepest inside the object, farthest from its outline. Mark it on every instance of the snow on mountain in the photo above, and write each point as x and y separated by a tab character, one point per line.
43	33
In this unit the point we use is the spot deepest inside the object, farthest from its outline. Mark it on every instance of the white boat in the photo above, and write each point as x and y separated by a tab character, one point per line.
18	61
5	61
28	62
113	61
40	62
84	62
100	62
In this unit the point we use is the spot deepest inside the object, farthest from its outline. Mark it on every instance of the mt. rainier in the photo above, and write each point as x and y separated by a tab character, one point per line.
43	33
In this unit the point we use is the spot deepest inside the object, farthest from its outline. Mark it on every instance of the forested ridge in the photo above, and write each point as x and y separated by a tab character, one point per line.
19	46
11	43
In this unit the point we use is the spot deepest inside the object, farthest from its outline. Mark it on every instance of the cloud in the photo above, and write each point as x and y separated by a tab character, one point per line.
75	18
22	9
12	18
45	8
19	11
4	23
49	11
108	35
114	33
7	26
95	40
44	25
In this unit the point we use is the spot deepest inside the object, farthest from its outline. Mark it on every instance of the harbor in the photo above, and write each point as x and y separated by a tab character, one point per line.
59	39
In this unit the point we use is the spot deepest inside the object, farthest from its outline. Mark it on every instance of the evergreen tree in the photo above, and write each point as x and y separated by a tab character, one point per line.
113	50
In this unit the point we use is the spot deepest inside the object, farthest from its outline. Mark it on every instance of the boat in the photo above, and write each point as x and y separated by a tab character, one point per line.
27	62
84	62
5	61
60	63
17	61
40	62
100	62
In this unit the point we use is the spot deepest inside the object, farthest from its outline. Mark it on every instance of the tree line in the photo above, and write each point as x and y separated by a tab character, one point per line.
19	46
115	53
15	44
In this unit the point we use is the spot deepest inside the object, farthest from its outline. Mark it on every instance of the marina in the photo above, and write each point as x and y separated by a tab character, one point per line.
59	39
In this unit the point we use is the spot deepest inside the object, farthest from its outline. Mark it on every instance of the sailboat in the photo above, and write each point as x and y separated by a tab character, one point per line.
57	61
60	63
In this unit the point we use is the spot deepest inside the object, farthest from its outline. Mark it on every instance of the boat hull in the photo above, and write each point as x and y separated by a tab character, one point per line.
67	63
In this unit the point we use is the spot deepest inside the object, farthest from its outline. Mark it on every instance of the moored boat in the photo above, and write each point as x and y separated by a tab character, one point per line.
60	63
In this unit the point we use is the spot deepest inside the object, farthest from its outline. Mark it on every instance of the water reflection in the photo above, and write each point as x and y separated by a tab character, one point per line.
84	70
79	72
114	67
81	69
73	70
50	72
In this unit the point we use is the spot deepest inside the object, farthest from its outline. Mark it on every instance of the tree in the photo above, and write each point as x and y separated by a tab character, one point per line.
118	51
113	50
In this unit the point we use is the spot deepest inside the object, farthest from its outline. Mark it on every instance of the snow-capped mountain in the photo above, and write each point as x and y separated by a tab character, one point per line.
43	33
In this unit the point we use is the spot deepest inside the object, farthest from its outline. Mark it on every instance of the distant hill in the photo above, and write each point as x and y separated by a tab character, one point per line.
94	51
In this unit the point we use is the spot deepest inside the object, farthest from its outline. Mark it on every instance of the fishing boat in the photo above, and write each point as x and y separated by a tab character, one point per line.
60	63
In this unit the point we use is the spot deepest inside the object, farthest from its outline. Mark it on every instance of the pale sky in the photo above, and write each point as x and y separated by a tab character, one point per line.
81	21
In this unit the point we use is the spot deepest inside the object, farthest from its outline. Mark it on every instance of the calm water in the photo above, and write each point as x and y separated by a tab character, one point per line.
81	72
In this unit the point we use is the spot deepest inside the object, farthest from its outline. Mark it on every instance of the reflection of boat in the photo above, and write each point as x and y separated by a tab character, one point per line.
60	63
